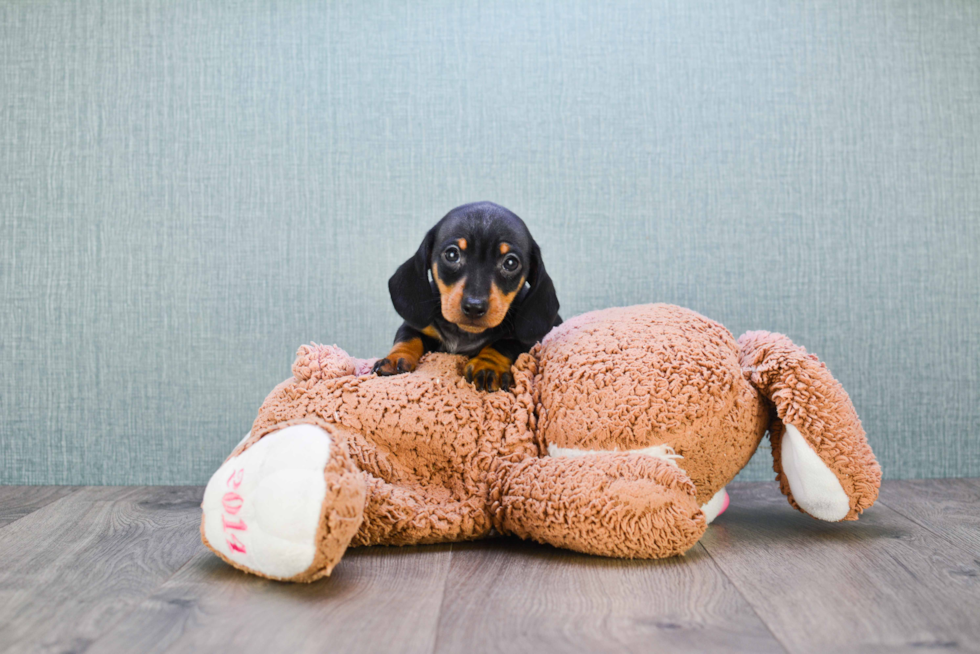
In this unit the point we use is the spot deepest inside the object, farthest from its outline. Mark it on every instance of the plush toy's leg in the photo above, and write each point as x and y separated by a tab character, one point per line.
286	506
820	453
612	504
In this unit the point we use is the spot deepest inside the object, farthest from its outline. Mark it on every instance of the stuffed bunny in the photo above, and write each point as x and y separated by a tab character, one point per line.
620	432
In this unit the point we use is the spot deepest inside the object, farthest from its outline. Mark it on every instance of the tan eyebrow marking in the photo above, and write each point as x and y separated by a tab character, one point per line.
504	248
462	243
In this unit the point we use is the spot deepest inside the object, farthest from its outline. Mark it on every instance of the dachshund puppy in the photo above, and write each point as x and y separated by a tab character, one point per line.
477	286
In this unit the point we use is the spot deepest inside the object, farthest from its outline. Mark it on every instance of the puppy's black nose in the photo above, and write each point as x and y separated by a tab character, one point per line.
474	307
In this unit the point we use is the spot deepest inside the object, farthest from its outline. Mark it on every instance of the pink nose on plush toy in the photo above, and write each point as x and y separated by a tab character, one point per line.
725	502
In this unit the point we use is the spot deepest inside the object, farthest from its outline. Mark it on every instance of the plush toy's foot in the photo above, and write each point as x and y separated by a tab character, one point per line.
820	453
714	507
286	506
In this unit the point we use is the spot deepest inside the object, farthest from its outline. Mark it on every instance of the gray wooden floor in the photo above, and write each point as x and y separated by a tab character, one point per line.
122	570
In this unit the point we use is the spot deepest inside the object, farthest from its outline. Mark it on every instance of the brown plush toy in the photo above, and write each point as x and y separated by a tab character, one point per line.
620	433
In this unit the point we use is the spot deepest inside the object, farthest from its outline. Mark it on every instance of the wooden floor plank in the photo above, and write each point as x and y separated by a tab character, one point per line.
882	583
511	596
18	501
377	600
73	568
947	507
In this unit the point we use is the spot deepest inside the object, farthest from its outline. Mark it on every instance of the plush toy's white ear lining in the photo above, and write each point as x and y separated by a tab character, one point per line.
262	508
815	487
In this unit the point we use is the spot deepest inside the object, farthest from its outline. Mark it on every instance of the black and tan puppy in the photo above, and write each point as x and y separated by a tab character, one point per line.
477	286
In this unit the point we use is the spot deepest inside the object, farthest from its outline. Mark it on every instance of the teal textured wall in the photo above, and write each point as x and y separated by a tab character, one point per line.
190	190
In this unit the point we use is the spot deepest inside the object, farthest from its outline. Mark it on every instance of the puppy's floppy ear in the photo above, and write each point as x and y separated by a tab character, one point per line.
411	292
538	309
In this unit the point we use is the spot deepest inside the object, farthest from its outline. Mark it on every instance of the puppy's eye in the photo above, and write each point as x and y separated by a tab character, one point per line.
510	263
451	254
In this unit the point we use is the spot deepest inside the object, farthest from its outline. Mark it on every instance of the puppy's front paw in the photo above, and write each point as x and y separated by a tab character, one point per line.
388	366
489	371
404	357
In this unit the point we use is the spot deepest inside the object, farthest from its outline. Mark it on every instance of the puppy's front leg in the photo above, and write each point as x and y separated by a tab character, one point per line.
490	369
410	345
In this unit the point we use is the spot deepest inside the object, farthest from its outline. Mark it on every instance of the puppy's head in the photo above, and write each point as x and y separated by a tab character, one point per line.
479	257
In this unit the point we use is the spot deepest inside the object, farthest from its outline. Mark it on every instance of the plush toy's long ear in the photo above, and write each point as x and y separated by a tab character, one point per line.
538	309
413	295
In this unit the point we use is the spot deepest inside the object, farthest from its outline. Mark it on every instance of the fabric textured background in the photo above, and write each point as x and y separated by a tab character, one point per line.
191	190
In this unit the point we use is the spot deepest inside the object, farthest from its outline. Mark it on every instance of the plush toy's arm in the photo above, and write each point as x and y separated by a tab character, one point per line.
820	453
611	504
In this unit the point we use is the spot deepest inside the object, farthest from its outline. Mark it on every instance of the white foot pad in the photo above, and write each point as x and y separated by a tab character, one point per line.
262	508
715	506
814	486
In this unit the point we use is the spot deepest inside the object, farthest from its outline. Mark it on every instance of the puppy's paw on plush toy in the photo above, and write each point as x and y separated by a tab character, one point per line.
284	507
489	371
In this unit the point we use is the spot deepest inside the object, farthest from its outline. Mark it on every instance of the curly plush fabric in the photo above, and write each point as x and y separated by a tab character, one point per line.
809	398
649	412
635	377
625	505
425	442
